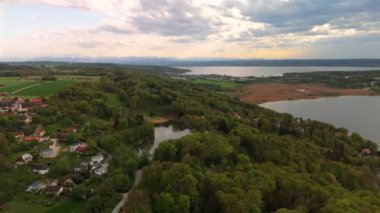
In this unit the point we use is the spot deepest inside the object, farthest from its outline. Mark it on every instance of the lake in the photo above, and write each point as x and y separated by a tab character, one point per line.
360	114
166	132
259	71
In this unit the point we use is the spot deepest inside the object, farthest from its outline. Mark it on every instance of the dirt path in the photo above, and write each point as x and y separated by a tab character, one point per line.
138	176
267	92
22	89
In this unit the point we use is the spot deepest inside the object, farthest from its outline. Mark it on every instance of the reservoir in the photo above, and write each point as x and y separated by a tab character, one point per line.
360	114
264	71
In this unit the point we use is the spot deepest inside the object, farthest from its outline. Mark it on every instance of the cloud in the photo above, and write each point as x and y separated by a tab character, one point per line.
223	26
302	15
175	18
116	29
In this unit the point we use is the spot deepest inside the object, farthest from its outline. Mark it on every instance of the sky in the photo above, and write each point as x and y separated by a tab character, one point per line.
270	29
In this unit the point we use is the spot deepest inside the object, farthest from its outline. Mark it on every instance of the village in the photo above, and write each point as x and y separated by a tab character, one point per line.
42	150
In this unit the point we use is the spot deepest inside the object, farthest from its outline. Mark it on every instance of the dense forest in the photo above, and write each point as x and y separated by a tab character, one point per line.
243	158
239	158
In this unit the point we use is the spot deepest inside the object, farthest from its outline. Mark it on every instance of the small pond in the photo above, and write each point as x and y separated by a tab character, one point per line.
166	132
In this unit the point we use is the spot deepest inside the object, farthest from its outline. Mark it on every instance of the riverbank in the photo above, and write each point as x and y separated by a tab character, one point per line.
269	92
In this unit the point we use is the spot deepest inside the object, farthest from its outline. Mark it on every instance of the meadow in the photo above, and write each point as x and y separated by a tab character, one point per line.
33	86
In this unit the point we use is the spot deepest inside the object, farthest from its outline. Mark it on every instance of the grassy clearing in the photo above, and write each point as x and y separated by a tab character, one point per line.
46	89
69	206
22	201
33	203
114	100
223	84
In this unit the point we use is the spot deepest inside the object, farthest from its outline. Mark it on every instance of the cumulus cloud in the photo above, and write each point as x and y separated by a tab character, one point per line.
302	15
228	23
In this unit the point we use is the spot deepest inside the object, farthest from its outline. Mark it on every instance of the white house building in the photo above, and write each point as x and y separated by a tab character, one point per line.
41	169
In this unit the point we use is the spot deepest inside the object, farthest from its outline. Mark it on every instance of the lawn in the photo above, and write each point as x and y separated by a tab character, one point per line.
46	89
27	201
68	206
20	203
223	84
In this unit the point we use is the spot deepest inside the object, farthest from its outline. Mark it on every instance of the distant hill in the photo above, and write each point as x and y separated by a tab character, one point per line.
215	61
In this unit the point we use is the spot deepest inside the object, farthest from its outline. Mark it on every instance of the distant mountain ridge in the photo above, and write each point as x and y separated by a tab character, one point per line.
213	61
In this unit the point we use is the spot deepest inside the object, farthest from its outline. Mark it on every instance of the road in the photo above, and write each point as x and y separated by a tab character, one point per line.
138	176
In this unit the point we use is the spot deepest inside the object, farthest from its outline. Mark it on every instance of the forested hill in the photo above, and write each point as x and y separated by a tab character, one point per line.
238	158
243	158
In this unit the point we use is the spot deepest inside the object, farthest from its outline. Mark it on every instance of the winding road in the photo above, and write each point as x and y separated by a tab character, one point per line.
138	175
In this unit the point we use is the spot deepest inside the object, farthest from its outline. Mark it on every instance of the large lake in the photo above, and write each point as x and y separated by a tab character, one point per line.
265	71
360	114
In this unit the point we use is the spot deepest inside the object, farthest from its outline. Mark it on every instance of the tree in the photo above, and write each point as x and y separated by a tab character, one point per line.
164	203
79	192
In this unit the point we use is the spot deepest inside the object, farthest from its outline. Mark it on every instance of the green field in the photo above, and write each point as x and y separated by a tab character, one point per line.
223	84
12	85
29	201
45	89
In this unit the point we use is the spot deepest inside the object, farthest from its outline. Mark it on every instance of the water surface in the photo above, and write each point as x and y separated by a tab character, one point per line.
265	71
360	114
164	133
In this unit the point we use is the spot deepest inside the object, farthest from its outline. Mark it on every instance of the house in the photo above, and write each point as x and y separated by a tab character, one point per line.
47	153
53	190
81	149
78	147
4	110
36	186
25	118
70	131
41	169
19	136
77	169
21	109
365	151
97	159
35	101
85	163
39	132
101	170
84	166
34	139
27	158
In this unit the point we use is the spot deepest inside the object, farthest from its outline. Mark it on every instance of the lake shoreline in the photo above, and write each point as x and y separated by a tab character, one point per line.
271	92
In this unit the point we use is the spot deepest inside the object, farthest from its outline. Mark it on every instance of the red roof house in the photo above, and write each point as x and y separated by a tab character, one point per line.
19	136
39	132
33	138
36	101
365	151
81	149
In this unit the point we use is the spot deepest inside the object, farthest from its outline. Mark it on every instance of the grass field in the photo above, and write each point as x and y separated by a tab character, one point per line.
12	85
223	84
45	89
20	204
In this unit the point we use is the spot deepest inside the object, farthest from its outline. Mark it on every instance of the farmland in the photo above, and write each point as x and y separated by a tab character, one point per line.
33	86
